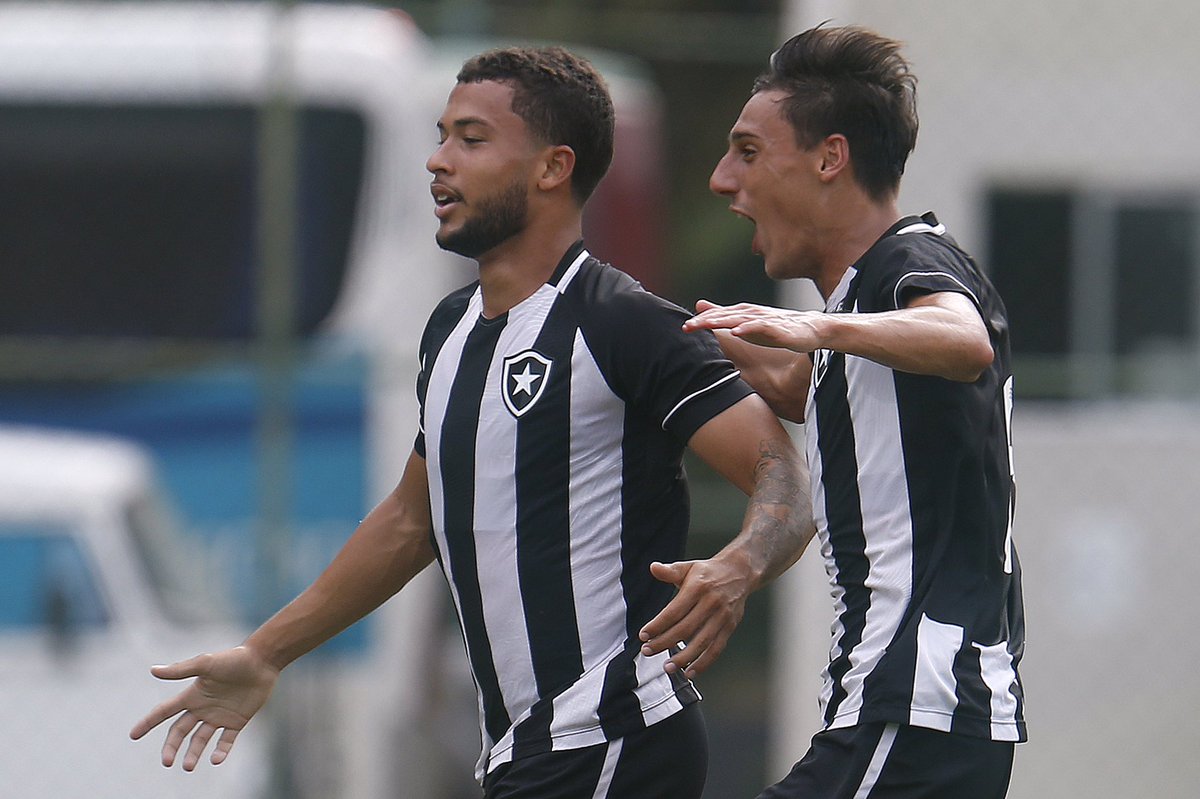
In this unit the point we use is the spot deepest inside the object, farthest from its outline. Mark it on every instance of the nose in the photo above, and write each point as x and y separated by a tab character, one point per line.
721	181
437	160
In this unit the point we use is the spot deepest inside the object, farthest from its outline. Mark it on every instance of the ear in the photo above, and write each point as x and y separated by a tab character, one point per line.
835	156
557	165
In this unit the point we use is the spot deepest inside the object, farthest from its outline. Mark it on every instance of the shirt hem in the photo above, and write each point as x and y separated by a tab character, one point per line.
594	734
933	719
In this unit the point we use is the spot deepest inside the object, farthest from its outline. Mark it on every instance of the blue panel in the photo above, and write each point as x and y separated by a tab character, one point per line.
45	578
202	428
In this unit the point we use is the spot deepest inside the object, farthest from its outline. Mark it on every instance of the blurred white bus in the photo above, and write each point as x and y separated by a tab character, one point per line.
95	585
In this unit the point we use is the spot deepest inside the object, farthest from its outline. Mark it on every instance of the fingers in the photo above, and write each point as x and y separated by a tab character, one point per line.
751	327
704	643
709	315
223	747
679	622
669	616
200	739
687	629
710	320
198	712
724	317
204	732
158	715
702	615
182	670
175	735
703	649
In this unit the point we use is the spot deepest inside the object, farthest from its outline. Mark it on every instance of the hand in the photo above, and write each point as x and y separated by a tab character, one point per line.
798	331
703	614
230	687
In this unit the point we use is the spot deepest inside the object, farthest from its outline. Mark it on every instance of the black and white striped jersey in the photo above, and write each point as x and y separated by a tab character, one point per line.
913	498
553	437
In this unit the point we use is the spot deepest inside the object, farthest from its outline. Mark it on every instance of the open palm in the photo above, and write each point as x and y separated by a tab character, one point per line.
229	688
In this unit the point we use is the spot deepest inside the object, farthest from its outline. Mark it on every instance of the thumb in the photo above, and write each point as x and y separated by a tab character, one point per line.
704	305
192	667
671	572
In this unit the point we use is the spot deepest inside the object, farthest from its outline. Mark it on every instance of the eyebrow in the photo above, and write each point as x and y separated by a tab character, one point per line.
737	136
464	122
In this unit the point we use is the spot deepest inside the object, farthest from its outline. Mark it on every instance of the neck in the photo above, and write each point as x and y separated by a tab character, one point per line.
854	228
512	271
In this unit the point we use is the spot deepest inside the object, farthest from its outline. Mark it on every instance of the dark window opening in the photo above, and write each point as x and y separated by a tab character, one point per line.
141	220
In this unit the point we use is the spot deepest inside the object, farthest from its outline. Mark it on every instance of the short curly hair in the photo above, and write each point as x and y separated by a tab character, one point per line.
561	98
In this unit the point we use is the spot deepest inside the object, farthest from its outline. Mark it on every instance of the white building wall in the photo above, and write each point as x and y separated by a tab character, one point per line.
1087	92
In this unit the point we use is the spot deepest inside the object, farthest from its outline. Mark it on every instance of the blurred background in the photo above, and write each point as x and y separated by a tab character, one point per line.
216	256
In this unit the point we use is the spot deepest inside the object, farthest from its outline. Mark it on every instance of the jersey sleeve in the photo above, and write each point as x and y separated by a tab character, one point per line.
917	264
681	380
422	382
439	326
422	388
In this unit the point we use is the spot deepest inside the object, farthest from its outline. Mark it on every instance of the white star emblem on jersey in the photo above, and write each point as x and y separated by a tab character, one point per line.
525	381
525	376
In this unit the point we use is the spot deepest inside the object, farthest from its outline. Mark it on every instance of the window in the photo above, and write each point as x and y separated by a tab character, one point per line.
174	570
46	580
1102	288
141	220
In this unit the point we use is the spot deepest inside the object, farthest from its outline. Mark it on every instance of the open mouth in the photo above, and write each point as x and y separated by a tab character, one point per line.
755	244
444	198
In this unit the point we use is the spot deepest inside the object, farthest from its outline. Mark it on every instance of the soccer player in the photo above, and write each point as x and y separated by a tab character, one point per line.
556	399
904	388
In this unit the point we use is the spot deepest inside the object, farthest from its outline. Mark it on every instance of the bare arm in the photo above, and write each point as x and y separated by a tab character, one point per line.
746	445
939	334
780	376
389	547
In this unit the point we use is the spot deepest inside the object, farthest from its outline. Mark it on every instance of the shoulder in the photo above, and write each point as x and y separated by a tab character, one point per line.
603	294
446	315
913	248
454	304
917	258
456	301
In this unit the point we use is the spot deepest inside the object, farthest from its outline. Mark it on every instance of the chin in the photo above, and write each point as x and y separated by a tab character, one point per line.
786	266
774	269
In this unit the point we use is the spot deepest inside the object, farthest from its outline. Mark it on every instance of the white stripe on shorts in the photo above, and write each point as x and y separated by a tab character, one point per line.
875	768
610	767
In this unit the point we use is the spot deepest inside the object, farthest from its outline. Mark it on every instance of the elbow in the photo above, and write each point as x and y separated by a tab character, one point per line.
976	359
787	405
792	411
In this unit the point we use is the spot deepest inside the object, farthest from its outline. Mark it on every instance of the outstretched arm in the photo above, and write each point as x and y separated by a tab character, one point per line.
939	334
746	445
389	547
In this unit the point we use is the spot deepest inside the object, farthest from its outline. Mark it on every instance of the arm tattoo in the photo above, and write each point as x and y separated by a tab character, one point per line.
778	519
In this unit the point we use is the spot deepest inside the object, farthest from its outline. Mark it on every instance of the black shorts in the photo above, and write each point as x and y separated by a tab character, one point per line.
667	760
891	761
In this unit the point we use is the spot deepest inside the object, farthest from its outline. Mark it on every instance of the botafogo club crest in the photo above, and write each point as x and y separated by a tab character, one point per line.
525	378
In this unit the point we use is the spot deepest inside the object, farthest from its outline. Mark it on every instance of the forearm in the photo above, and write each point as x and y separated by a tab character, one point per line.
390	547
778	523
938	334
920	339
776	527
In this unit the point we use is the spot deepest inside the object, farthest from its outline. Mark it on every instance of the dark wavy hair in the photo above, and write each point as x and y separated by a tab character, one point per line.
561	98
852	81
